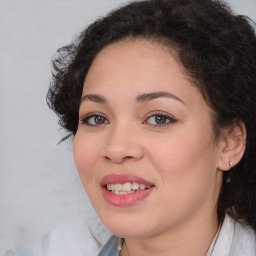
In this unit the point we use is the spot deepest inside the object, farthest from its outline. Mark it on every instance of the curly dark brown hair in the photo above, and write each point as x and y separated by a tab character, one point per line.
218	51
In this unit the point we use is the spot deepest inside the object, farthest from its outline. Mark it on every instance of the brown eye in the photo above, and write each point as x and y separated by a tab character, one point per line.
160	120
94	120
99	120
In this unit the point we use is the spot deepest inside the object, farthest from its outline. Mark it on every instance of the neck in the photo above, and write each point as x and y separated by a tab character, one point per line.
192	237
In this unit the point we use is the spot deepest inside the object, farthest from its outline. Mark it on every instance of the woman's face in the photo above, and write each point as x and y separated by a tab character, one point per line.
145	148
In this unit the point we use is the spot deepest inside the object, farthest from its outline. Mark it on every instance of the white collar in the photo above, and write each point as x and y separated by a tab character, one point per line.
234	239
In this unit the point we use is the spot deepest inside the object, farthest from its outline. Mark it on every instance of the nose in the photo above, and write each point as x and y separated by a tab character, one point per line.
122	144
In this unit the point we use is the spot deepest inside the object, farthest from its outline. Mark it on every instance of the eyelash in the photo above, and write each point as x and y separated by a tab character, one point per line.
167	117
85	120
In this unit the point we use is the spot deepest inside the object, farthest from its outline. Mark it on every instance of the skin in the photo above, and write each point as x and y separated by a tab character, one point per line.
181	158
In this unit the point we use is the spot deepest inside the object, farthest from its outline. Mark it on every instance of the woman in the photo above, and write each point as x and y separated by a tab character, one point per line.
160	98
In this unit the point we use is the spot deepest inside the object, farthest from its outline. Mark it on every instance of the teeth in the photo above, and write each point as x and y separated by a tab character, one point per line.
135	186
126	188
142	186
118	187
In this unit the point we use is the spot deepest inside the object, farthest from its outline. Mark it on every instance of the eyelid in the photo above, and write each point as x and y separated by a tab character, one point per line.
159	113
86	117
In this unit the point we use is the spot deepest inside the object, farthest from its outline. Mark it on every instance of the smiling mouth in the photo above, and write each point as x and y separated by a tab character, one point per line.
126	188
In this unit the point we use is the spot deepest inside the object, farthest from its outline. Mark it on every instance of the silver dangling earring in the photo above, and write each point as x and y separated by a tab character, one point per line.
228	180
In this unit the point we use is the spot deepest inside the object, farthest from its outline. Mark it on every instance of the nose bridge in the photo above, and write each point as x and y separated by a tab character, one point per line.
122	143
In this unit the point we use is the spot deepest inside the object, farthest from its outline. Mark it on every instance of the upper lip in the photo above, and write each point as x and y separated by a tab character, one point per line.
122	178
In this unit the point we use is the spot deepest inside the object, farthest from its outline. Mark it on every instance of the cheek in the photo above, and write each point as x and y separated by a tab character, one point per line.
86	151
187	172
185	162
177	154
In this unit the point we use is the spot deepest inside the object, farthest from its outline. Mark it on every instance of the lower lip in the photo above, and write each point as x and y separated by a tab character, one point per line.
127	199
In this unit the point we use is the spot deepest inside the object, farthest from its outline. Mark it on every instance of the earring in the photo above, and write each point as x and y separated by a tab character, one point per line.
230	164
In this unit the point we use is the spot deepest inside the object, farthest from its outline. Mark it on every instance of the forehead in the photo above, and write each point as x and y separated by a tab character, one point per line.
135	67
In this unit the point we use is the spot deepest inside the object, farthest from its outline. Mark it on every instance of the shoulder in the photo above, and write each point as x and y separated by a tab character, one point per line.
244	240
234	239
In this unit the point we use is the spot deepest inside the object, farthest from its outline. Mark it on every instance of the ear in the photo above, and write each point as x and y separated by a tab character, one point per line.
232	146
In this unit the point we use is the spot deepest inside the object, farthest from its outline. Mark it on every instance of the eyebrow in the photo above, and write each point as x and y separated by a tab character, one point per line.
95	98
154	95
140	98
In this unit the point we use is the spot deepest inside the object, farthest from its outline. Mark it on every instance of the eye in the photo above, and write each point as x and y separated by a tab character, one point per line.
159	120
94	120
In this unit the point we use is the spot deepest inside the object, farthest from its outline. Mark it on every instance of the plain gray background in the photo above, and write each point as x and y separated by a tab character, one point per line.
39	187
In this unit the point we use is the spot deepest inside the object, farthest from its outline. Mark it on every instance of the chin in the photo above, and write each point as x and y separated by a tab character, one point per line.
128	226
129	232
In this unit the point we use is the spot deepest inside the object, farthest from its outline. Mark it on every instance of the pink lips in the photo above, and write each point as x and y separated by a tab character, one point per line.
127	199
122	178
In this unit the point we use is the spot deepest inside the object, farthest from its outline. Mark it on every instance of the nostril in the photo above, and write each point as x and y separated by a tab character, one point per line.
118	159
106	157
128	157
